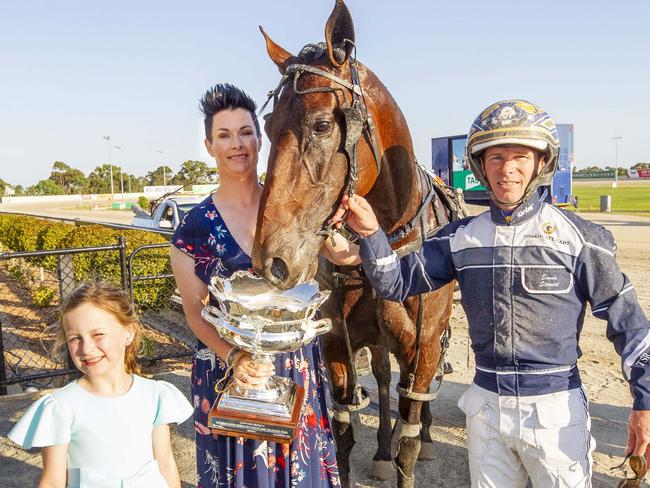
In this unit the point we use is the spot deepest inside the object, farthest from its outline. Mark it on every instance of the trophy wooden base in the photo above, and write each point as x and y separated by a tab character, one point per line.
261	426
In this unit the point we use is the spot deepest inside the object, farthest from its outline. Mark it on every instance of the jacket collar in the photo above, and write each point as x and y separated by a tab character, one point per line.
525	211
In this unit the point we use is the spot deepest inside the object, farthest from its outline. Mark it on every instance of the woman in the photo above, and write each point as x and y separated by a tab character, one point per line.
217	235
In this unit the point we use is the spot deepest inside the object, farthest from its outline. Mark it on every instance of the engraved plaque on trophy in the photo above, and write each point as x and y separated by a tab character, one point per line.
263	320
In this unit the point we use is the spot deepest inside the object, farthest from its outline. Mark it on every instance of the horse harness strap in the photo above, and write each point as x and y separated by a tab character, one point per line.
342	409
357	117
407	392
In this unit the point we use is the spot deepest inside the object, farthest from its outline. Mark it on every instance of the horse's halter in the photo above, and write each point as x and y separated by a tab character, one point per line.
357	116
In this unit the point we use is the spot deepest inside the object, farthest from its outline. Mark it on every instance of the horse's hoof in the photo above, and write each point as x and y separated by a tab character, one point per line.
427	452
382	470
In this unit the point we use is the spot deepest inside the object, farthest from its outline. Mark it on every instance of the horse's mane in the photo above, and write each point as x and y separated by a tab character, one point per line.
311	52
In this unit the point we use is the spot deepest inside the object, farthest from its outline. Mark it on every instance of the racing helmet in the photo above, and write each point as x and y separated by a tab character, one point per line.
514	122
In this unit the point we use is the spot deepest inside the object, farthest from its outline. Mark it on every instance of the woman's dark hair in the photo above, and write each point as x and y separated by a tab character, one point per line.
225	96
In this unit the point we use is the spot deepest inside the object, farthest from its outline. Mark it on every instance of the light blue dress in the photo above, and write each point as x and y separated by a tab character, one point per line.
110	443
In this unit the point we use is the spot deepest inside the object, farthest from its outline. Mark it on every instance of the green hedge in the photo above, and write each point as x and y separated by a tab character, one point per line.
49	238
21	233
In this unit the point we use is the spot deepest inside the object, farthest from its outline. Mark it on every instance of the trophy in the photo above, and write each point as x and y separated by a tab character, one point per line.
263	320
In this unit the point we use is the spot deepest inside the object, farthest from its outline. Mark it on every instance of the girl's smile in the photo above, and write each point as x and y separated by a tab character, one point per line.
97	343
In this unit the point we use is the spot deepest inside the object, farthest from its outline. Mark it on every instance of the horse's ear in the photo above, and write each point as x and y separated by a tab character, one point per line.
338	31
278	54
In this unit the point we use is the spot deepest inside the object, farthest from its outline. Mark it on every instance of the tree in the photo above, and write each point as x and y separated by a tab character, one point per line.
641	166
99	180
3	185
45	187
132	183
196	172
70	179
19	190
158	176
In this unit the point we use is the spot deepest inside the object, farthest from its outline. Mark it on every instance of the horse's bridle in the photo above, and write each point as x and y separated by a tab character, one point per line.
357	116
357	120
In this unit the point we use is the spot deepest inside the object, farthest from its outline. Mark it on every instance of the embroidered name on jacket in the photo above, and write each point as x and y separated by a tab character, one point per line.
546	280
547	238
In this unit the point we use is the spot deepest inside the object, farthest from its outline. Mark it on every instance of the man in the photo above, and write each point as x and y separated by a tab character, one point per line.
526	271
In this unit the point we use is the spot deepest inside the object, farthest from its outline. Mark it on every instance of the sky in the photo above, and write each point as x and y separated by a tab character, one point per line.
72	72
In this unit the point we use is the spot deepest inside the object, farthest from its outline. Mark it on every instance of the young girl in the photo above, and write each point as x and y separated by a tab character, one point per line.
110	427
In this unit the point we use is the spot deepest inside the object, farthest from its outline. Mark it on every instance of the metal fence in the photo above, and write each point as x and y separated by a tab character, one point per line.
158	302
32	285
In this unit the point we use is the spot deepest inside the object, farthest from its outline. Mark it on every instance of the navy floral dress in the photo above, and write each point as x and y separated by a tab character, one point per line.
222	461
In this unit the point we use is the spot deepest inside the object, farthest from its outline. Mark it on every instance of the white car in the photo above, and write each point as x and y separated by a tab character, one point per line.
167	214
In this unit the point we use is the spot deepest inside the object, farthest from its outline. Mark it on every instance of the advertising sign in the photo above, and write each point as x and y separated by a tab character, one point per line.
462	176
161	188
440	158
561	184
595	175
643	173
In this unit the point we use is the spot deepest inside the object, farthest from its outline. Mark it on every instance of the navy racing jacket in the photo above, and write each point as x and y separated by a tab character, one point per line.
525	285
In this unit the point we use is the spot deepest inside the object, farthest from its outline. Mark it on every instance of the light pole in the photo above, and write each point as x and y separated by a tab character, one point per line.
163	167
616	139
121	174
110	166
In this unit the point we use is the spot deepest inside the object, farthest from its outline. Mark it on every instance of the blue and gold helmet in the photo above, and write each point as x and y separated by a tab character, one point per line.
514	122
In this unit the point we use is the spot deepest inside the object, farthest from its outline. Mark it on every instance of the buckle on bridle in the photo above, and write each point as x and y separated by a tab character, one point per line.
638	465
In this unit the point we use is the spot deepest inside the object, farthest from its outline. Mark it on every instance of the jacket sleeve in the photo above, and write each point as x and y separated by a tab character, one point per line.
419	272
612	298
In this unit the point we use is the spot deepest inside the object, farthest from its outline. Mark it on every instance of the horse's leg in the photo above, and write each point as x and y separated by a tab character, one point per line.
405	441
343	431
418	356
342	428
426	447
382	466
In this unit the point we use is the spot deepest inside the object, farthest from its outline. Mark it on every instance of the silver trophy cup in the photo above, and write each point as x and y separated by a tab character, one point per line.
263	320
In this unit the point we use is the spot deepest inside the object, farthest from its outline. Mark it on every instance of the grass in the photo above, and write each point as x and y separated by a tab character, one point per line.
626	199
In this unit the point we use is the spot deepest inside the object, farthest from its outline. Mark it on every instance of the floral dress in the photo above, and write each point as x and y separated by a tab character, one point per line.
223	461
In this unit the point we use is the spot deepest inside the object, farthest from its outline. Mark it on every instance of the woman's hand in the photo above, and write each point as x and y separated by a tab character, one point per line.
248	373
361	218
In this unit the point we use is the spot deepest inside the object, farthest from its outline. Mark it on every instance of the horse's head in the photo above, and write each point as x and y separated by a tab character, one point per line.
318	122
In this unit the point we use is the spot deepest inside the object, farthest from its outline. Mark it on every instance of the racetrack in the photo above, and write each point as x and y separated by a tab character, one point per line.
600	366
72	210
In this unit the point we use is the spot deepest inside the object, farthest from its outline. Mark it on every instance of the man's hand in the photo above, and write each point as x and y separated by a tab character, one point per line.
638	433
361	218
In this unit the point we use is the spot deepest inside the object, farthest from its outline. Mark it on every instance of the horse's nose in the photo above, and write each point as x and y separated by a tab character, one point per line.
279	269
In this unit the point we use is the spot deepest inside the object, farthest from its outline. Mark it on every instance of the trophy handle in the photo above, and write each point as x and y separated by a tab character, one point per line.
318	327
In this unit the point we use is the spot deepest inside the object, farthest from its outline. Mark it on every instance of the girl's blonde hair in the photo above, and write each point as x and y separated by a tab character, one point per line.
111	299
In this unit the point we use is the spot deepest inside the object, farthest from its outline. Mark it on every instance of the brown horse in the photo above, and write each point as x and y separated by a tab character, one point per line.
335	128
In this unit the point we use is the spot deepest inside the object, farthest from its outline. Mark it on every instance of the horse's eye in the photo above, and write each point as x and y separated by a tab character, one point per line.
322	126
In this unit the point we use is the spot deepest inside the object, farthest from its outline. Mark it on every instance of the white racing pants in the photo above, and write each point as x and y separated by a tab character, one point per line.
544	437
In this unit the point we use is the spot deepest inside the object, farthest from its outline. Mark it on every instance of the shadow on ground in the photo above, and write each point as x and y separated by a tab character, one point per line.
21	468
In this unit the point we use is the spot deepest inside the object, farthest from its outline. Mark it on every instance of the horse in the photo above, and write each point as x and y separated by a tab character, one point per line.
335	128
